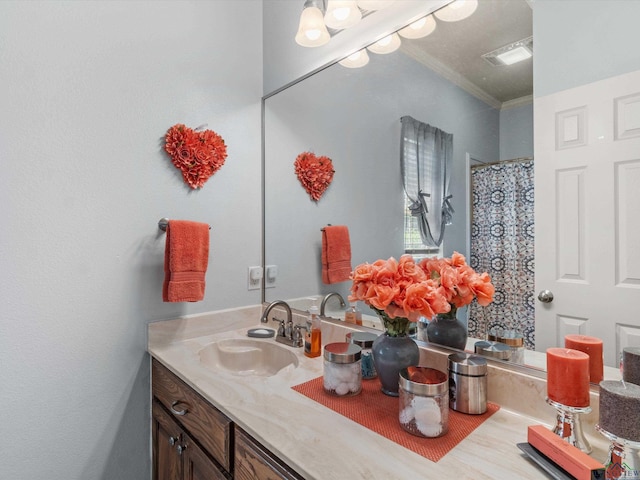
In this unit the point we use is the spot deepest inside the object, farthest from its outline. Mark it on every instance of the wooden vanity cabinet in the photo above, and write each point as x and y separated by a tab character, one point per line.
186	426
193	440
252	461
176	456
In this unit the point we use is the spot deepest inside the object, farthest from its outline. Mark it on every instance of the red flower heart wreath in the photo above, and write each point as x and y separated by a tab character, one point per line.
315	173
197	153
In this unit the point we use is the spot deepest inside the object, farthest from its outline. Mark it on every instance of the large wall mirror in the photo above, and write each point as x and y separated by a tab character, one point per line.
352	115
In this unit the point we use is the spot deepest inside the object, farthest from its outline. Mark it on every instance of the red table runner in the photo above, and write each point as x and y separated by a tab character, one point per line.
379	412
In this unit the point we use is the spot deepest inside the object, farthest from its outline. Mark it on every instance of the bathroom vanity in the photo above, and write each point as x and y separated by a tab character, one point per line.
193	439
215	423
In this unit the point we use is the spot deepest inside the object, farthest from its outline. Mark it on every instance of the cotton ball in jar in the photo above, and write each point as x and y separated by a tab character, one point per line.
343	374
342	388
330	379
406	415
428	416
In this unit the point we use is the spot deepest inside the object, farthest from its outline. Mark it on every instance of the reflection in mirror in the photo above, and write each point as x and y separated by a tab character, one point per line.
352	116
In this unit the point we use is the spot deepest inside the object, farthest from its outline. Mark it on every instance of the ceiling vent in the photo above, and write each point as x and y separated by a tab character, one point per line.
510	54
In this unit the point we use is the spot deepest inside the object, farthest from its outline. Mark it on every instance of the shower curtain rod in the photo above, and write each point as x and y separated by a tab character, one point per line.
502	162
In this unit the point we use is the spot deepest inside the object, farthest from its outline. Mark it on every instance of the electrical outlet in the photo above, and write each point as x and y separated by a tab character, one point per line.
271	275
254	278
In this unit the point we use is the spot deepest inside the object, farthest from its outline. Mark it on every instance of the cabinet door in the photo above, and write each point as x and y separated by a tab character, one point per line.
254	462
166	435
201	419
197	465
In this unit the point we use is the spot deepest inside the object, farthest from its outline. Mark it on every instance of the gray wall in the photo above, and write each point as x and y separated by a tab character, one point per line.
516	132
582	41
88	91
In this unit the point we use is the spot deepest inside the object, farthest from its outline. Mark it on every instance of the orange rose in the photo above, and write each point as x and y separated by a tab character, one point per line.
408	269
484	290
417	299
362	273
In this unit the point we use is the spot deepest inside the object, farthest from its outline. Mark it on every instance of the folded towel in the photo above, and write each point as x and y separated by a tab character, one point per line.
336	254
186	257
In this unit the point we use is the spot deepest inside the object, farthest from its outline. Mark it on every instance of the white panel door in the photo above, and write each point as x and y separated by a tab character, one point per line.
587	201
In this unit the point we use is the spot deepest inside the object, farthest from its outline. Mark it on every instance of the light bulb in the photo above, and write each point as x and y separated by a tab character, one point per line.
356	60
457	10
313	34
388	44
311	31
420	28
342	14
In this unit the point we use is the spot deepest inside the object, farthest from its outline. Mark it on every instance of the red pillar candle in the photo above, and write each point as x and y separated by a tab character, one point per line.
568	377
592	346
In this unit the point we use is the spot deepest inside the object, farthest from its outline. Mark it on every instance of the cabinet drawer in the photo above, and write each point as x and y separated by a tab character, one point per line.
203	421
253	461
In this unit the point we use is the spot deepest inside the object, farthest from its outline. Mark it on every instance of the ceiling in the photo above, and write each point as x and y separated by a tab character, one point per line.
455	50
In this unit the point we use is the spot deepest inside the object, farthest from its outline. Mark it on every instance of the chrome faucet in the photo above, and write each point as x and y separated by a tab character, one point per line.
327	297
285	329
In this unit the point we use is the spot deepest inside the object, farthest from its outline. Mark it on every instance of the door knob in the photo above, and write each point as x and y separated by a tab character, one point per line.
545	296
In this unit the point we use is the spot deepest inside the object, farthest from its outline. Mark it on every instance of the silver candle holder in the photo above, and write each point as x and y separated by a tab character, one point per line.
623	461
569	425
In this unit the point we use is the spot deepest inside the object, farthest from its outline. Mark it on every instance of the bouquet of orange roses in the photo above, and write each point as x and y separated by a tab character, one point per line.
403	291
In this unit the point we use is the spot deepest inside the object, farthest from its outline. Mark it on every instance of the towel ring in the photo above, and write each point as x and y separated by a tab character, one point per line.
163	223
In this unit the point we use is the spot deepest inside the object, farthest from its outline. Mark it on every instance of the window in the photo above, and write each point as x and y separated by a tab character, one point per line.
425	161
413	240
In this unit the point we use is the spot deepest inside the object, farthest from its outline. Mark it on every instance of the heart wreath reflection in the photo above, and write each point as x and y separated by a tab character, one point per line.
315	173
198	154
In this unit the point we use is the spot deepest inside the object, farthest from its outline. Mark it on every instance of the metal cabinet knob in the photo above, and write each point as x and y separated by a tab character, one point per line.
545	296
173	440
181	449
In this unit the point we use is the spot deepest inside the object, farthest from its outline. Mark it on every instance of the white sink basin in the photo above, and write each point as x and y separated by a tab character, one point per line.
244	356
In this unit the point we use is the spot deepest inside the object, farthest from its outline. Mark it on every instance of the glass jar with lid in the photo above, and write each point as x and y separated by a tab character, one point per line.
342	369
365	341
424	401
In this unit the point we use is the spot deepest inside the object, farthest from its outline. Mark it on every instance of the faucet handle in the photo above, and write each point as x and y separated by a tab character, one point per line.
297	335
280	326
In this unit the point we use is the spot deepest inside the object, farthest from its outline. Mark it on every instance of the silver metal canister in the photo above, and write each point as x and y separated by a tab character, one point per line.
497	350
467	383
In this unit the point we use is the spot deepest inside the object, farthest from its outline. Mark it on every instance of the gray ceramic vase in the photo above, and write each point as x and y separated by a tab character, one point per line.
390	355
445	329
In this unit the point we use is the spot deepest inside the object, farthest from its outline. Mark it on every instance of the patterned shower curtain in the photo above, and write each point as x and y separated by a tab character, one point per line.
502	244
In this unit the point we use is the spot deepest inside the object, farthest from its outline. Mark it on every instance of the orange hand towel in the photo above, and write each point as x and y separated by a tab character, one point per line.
186	257
336	254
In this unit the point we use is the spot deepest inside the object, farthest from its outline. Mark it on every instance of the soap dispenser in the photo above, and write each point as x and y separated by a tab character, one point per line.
313	336
353	315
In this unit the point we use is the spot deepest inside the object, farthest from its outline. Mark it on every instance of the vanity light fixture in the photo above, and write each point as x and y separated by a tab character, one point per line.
456	10
342	14
388	44
356	60
509	54
312	31
420	28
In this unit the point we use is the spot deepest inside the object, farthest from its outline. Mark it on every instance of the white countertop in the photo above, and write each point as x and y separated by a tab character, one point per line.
321	444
